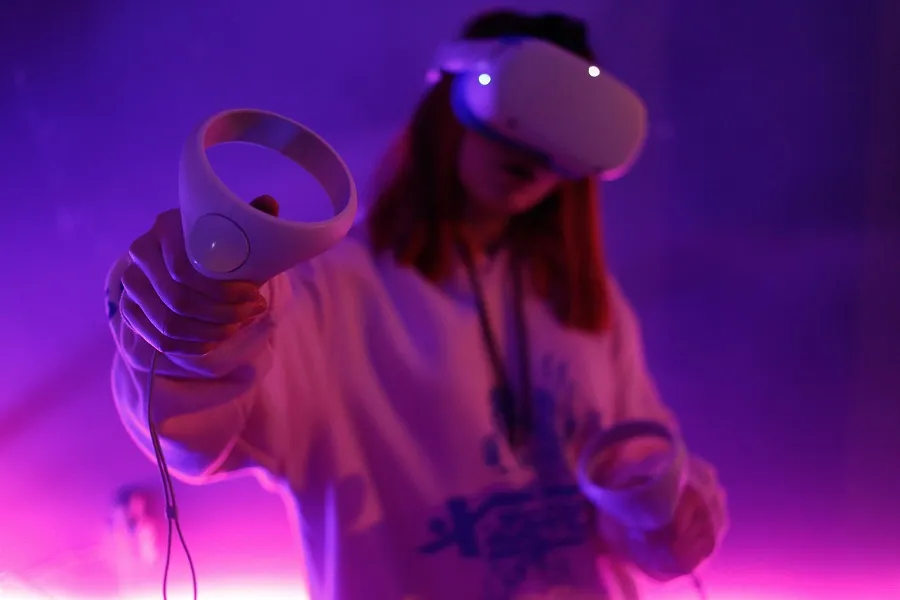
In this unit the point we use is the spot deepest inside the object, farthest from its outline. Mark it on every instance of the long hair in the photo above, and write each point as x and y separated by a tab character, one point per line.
419	201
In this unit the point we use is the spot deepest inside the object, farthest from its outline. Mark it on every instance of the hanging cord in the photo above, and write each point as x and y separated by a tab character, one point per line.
172	516
515	411
516	415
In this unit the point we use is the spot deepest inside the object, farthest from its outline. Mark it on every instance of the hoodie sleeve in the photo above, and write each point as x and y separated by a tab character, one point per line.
242	406
636	394
638	399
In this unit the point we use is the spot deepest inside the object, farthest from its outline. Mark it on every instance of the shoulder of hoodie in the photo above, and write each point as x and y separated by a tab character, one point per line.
351	264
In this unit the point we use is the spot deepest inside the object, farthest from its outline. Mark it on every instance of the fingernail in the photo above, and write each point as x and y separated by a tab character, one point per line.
251	294
259	307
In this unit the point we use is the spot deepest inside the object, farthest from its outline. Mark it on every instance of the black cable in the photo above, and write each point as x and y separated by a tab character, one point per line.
699	587
172	516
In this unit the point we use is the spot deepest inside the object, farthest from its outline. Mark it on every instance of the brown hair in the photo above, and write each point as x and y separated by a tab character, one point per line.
419	204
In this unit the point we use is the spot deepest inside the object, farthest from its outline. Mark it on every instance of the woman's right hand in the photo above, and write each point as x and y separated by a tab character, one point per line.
172	306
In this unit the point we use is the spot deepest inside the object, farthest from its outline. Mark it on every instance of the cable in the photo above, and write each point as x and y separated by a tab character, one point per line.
699	587
172	516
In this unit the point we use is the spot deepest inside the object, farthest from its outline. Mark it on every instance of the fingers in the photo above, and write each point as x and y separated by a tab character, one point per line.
169	323
665	536
692	551
149	275
134	318
174	308
700	525
690	538
696	538
690	508
267	204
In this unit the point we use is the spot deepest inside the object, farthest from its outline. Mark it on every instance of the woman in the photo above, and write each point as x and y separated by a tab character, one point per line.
422	389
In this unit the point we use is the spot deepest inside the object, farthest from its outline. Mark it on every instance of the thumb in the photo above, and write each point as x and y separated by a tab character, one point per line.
267	204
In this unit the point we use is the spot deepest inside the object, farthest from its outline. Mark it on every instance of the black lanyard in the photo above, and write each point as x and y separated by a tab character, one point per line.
514	410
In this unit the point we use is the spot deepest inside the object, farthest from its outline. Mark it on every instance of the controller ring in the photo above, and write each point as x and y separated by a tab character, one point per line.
645	506
225	237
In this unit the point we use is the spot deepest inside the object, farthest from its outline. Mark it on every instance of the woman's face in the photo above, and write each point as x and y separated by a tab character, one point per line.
502	180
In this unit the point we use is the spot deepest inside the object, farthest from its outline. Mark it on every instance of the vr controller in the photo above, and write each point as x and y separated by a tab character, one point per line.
641	496
226	238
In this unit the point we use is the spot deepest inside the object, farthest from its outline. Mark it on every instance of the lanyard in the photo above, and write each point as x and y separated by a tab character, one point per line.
513	411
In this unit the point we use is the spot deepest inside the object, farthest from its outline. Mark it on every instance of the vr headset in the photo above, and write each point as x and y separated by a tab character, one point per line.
534	95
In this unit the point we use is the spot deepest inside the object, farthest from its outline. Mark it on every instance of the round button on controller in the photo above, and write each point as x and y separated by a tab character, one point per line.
218	244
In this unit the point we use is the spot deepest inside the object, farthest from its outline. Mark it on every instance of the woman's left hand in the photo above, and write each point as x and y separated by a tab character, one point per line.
682	545
673	551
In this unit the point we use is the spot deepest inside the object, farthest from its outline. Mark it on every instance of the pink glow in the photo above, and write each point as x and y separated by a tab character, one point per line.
750	588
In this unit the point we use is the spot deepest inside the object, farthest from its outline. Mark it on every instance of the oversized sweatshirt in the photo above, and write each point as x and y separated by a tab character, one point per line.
365	393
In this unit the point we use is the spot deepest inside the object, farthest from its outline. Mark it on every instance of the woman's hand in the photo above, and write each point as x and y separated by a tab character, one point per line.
686	542
172	306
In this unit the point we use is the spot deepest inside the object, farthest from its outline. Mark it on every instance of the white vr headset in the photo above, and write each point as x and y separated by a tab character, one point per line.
542	98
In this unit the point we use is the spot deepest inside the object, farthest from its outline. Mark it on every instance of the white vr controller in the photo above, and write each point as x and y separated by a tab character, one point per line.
227	238
650	503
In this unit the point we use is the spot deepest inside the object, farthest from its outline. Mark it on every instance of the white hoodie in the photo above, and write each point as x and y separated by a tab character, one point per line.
365	392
